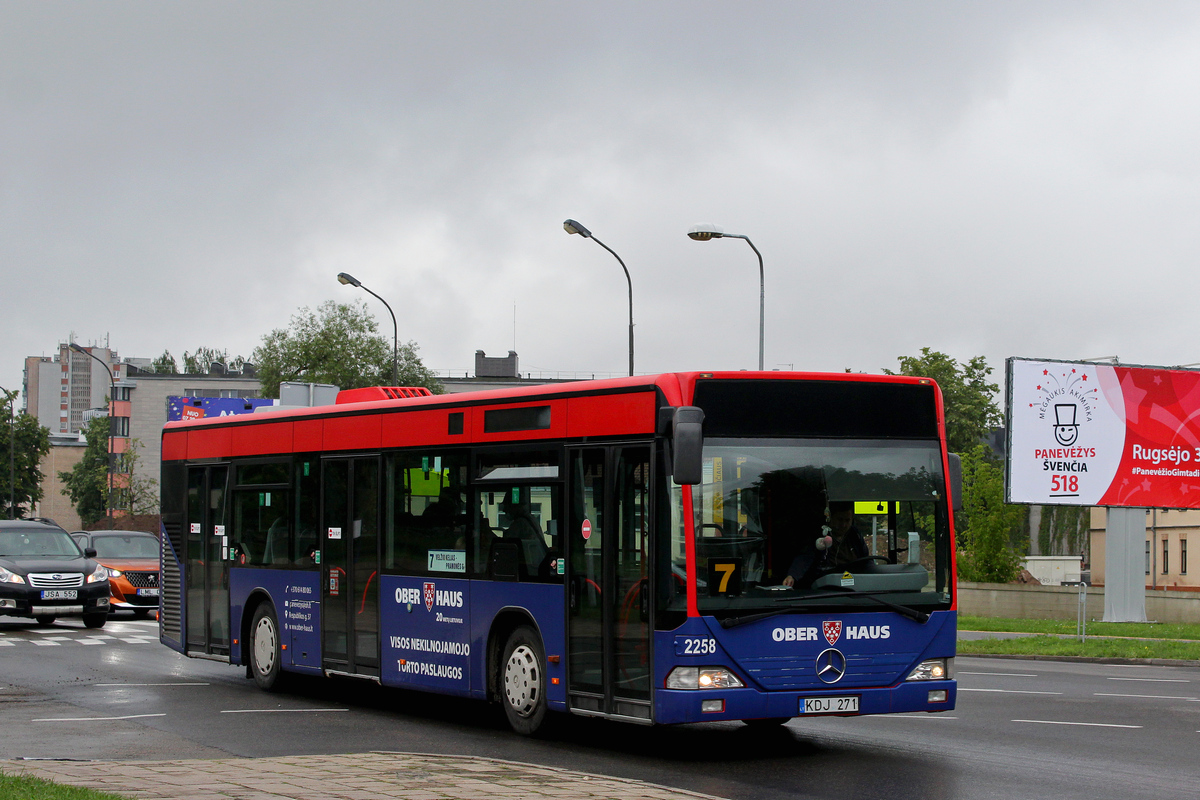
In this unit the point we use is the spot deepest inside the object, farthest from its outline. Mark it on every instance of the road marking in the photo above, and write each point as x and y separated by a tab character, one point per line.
1134	666
1153	680
96	719
1005	691
150	684
1005	674
934	715
1085	724
1147	696
276	710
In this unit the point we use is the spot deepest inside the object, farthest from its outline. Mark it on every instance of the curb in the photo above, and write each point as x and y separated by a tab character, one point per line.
375	774
570	773
1155	662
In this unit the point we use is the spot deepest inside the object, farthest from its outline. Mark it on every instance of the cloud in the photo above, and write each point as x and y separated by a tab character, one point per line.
1016	180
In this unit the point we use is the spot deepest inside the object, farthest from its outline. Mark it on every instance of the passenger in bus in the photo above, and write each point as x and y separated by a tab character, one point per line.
842	544
526	529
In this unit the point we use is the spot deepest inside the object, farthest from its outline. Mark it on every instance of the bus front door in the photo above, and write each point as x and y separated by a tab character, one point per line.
608	583
350	566
207	562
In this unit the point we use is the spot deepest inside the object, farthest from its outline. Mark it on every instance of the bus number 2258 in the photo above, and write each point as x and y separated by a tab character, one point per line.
695	645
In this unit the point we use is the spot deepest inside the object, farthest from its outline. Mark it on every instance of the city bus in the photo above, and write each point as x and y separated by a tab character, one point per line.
653	549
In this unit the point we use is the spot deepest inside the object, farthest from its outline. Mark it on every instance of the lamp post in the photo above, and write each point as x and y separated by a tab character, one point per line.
702	233
346	279
112	397
571	226
12	449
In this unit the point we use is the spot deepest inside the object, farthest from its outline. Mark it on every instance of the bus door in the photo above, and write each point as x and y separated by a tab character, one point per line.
609	597
350	565
207	561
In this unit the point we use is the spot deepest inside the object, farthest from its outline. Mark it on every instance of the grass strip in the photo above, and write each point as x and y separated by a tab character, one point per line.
24	787
1142	630
1093	648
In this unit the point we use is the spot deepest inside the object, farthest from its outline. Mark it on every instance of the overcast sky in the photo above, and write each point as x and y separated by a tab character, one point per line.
984	179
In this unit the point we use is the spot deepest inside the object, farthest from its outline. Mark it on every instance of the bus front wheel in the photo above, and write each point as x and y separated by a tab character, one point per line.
523	681
265	654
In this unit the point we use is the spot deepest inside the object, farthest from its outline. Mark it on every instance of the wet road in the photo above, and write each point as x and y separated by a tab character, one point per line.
1021	729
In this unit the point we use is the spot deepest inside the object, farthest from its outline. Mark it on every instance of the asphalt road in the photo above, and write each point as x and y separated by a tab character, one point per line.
1021	729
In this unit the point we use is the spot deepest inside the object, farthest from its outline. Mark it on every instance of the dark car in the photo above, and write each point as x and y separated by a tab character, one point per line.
44	575
132	561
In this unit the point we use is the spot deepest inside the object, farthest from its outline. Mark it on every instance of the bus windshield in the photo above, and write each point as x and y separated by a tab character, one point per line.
816	521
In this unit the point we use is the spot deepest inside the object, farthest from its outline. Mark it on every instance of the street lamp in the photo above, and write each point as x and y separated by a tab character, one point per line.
12	449
346	279
112	397
702	233
571	226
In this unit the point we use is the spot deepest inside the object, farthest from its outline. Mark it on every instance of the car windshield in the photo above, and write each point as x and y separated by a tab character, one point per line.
781	521
111	545
33	542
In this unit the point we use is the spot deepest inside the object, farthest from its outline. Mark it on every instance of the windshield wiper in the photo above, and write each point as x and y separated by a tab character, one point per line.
905	611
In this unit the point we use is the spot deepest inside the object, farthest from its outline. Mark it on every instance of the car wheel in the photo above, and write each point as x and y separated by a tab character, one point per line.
767	722
265	652
523	681
45	620
95	620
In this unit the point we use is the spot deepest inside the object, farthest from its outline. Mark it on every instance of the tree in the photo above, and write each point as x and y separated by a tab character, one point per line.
199	362
165	364
133	493
985	525
338	343
85	482
970	401
27	442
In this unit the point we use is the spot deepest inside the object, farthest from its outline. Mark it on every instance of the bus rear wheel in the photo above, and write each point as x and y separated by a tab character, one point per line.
523	681
265	652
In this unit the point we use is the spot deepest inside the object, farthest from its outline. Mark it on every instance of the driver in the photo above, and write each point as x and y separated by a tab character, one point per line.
841	544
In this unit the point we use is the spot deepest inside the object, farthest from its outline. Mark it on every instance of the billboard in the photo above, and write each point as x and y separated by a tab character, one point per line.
1083	434
199	407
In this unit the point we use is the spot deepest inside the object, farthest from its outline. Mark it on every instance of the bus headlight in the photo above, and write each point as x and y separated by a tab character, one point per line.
935	669
703	678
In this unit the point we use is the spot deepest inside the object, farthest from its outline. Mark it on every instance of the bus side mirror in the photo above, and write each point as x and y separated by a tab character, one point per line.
687	434
956	486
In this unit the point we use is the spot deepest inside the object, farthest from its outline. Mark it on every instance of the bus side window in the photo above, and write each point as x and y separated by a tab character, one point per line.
426	520
527	517
305	541
260	527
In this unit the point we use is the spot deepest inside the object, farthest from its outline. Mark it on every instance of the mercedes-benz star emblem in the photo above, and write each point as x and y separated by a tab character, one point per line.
831	666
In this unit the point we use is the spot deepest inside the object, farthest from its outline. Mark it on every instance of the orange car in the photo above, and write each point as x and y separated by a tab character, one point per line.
132	560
